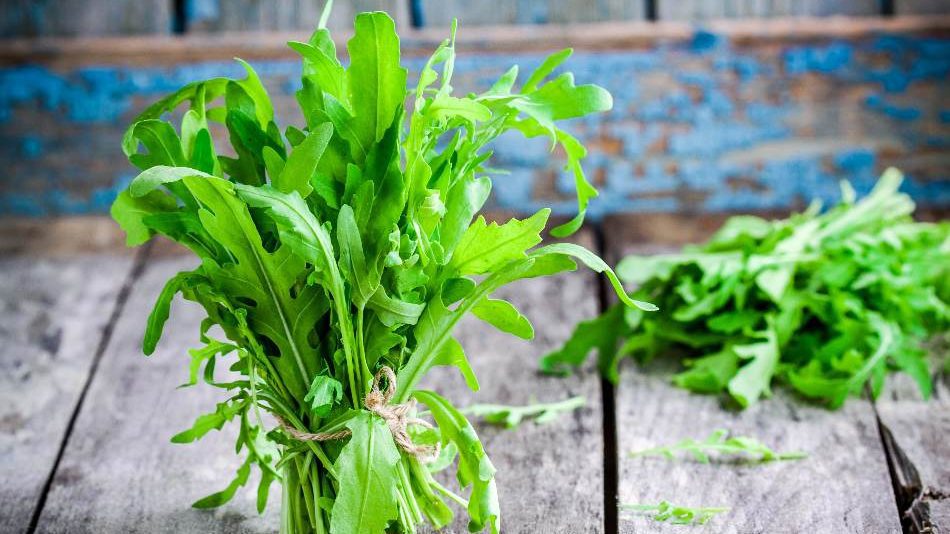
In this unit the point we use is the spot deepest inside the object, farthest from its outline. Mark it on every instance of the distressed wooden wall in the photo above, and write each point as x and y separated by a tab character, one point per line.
33	18
735	117
730	115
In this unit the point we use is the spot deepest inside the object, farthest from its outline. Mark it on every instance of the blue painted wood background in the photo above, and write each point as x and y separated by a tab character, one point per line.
699	125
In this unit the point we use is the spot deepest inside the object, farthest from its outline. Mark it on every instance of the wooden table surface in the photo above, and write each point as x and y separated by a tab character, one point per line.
86	419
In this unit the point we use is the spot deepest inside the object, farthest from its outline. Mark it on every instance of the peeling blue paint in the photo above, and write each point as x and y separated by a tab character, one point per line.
31	147
882	105
704	41
825	59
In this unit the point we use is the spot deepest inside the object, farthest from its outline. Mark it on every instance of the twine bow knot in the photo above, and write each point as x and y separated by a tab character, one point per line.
396	416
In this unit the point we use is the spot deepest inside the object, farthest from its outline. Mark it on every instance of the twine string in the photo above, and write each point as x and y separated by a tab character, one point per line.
396	416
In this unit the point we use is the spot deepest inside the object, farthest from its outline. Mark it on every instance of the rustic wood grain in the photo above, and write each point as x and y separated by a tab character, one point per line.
842	486
28	18
916	432
66	53
934	7
62	238
120	473
529	12
284	15
699	10
54	312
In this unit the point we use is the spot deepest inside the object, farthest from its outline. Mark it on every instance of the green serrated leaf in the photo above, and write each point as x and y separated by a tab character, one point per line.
504	316
366	501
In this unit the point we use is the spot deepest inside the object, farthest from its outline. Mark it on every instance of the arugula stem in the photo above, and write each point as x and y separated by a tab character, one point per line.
361	347
291	519
461	501
346	331
428	482
316	483
282	315
251	380
285	507
303	473
407	489
404	518
292	418
423	475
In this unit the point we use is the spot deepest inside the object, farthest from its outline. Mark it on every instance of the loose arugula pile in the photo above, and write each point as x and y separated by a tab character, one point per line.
330	251
823	302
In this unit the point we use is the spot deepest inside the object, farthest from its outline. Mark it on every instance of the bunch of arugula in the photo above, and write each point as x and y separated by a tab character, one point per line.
824	302
332	250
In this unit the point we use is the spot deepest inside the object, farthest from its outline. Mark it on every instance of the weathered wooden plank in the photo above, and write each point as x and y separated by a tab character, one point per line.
701	10
915	433
212	16
713	122
26	18
843	485
529	12
61	238
470	13
71	53
53	315
917	7
120	473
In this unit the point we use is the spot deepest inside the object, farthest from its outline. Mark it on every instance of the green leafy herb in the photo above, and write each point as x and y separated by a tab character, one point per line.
827	303
348	244
678	515
720	443
512	416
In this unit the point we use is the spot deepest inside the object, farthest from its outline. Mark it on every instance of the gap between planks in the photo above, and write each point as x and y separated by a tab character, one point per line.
138	267
913	434
608	405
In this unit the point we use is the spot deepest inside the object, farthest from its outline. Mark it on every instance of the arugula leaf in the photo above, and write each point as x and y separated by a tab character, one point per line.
325	392
504	316
512	416
217	499
484	247
602	333
719	442
474	469
212	421
302	162
753	379
376	82
678	515
366	501
130	211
